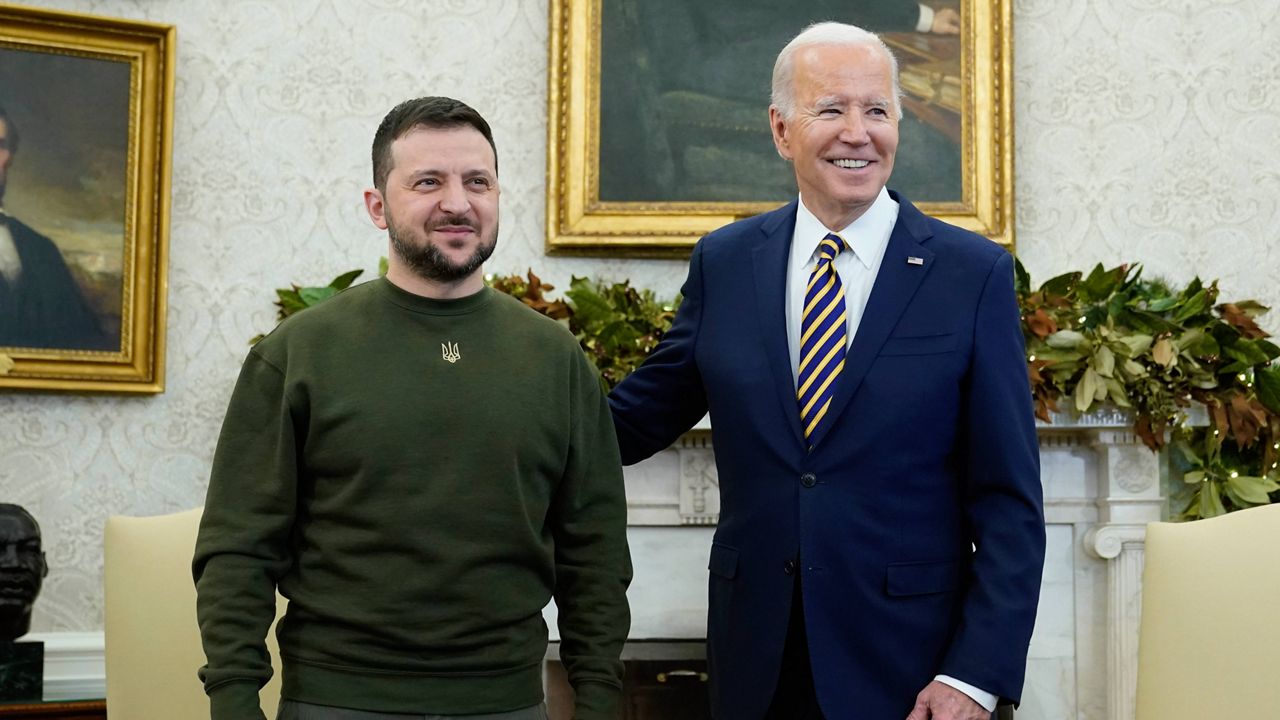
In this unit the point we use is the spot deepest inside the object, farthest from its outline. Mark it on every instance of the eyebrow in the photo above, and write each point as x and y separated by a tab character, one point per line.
831	101
436	172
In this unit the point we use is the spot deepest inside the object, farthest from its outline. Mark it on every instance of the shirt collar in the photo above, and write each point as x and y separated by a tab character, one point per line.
865	236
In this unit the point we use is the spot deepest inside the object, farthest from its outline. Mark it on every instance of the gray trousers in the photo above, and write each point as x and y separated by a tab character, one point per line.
294	710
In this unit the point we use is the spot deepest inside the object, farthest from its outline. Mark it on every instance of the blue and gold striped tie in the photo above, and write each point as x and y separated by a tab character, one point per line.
822	337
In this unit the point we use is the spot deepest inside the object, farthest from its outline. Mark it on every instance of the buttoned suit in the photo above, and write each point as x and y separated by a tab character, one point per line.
917	513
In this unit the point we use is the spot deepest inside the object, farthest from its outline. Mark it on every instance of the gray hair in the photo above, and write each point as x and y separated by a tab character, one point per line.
825	33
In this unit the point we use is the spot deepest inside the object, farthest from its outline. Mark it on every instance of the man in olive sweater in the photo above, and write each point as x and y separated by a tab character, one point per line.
419	465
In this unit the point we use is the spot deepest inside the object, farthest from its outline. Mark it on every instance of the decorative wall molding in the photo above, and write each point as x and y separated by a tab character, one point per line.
699	486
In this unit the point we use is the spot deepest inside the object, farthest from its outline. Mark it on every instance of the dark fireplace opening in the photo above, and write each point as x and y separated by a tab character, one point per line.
663	681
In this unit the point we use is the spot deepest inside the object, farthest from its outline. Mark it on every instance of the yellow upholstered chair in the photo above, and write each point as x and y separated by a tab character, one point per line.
1210	644
152	640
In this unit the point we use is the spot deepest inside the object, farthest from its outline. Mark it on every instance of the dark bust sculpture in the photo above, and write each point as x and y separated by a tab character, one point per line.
22	570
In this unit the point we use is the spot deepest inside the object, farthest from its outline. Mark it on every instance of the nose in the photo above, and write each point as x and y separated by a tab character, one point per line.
453	199
8	555
854	131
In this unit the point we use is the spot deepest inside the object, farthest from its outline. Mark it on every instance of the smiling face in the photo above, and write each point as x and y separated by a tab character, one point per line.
843	132
440	208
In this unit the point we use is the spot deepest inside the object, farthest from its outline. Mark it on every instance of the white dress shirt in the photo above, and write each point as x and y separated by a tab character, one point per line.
867	238
924	23
10	261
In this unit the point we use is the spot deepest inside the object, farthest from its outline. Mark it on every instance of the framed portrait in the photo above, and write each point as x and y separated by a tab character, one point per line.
86	128
658	127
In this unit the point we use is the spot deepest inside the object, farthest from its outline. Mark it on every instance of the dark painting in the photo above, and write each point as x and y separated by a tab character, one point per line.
65	194
684	98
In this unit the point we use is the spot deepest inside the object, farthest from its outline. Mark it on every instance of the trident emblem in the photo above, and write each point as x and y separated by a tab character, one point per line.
450	352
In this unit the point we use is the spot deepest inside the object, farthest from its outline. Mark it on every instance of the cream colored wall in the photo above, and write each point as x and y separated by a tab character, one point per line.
1146	130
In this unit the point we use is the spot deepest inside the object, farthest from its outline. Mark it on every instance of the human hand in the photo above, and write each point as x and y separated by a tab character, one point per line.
939	701
946	21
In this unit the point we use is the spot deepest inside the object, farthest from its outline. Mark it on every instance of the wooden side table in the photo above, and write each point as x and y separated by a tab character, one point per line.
61	710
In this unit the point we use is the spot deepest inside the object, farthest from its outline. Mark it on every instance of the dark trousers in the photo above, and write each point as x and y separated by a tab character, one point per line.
795	697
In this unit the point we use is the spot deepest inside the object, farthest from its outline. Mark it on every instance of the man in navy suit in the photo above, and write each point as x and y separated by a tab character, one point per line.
881	534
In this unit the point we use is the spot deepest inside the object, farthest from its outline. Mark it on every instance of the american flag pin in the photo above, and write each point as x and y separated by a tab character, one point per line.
913	260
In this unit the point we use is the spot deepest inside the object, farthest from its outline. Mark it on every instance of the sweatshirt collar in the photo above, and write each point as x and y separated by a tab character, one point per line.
432	306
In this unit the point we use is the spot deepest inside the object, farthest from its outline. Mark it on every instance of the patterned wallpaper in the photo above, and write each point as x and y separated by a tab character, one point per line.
1146	130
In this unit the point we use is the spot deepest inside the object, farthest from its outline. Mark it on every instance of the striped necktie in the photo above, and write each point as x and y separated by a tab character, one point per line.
822	337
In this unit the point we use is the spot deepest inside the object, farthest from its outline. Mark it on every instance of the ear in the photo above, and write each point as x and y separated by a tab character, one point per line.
377	210
781	137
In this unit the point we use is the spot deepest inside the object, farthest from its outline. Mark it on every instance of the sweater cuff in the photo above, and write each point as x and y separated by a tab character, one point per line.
595	700
235	701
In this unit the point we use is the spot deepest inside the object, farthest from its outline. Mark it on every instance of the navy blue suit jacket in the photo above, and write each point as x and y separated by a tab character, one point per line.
918	515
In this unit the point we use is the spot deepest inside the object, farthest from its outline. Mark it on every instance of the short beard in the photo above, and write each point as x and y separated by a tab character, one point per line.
427	262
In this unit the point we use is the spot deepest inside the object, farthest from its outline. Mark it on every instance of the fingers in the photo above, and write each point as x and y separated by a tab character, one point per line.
938	701
921	709
946	21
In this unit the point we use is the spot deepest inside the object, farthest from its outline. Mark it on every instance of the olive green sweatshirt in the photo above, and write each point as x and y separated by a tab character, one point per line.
418	478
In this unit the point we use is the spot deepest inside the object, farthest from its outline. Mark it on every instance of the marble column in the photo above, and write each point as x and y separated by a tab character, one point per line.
1129	497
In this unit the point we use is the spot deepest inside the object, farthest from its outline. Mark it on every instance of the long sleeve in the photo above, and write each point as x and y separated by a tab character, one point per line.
1003	500
664	397
241	550
592	562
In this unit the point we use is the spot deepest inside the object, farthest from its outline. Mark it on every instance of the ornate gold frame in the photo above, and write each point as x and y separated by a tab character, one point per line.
138	366
579	223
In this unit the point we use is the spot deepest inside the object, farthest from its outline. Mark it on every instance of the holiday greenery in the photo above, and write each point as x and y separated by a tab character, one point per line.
1110	337
1114	337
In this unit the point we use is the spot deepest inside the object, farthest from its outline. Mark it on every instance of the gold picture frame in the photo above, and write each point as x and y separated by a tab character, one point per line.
601	134
91	99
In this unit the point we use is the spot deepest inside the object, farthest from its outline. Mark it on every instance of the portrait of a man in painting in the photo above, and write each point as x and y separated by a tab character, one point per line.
62	201
685	93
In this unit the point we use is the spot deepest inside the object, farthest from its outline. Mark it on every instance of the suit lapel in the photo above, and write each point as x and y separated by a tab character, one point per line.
896	283
769	273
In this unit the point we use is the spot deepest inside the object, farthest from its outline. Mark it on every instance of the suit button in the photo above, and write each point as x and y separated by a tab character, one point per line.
789	567
808	480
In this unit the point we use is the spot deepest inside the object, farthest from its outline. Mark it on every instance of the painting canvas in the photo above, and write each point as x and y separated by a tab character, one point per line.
65	187
658	116
85	128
